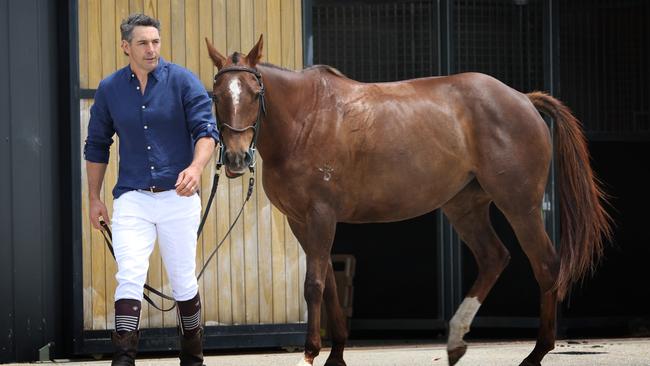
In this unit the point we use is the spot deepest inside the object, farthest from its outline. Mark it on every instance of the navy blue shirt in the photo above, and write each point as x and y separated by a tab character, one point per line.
157	130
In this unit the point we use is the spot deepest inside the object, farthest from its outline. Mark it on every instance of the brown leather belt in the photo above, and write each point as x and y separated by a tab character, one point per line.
156	189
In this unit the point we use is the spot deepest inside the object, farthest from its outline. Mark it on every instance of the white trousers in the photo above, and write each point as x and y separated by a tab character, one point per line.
139	217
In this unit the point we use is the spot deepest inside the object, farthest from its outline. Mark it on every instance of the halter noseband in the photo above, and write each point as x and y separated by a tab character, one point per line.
255	126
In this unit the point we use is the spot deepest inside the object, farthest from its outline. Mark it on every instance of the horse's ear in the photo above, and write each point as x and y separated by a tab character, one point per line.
216	57
255	54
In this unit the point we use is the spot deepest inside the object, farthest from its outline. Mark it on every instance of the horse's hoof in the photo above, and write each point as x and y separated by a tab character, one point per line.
455	354
529	363
335	363
304	362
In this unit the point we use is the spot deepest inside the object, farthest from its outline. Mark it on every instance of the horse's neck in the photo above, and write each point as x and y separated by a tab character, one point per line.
283	101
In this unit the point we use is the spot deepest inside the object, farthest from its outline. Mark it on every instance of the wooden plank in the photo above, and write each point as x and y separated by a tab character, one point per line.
208	238
86	250
94	44
224	303
233	43
164	15
136	6
108	51
192	35
150	8
178	32
121	13
83	44
223	260
265	269
251	316
97	248
206	69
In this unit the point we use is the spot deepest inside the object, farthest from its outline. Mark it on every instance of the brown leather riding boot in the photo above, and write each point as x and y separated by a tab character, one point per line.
192	349
126	347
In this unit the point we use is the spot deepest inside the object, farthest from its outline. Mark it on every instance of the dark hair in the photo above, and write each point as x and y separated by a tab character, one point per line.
135	20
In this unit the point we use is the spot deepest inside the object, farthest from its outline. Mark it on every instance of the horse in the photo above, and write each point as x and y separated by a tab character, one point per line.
338	150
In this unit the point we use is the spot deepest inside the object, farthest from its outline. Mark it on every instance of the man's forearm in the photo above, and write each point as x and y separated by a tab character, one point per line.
203	152
95	173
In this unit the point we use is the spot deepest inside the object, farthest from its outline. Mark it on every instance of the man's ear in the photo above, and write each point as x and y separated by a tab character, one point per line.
125	47
255	54
216	57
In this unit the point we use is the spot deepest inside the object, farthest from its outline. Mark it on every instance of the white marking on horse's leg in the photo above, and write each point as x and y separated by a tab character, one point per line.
303	362
459	324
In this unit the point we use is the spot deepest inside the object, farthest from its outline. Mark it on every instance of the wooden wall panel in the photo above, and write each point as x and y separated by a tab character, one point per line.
257	274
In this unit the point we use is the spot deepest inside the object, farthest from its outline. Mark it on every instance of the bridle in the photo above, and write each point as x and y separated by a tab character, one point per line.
255	126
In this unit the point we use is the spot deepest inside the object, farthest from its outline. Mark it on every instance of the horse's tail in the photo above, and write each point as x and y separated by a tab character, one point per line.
584	222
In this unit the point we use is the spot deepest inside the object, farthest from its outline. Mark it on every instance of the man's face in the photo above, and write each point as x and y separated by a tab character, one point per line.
144	48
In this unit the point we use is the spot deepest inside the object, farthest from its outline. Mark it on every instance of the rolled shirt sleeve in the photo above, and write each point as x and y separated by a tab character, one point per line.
198	111
100	130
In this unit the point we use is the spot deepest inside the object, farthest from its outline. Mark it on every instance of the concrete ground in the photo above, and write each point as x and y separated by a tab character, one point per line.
596	352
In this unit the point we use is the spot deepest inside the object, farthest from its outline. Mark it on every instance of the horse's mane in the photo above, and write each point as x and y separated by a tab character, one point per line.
325	68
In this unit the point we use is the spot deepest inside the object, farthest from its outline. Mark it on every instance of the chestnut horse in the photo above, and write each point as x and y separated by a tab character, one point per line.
337	150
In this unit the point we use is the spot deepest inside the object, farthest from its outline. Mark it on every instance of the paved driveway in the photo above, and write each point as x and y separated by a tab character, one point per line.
594	352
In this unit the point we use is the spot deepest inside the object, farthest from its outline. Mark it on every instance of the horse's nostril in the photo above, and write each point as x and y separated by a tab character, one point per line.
248	159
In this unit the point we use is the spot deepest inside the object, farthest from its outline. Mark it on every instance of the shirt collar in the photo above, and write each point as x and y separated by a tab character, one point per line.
157	73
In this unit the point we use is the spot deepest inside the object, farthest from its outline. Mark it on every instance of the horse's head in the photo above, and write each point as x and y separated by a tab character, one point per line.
238	94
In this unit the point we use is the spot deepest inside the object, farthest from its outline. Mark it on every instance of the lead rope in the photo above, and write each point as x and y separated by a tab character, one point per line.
108	236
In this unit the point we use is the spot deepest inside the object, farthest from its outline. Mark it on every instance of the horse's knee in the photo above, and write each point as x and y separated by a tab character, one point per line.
314	290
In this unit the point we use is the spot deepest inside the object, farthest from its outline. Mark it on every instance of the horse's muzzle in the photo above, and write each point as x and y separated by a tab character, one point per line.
236	163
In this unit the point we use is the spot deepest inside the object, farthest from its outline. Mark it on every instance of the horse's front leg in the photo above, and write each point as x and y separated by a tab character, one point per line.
315	236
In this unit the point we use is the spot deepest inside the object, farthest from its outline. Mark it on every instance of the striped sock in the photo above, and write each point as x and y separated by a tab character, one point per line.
190	315
127	315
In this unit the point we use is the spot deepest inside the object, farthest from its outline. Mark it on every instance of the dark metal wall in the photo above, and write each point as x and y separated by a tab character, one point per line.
31	250
604	57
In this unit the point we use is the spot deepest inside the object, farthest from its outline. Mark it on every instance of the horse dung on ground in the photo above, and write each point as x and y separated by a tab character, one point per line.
337	150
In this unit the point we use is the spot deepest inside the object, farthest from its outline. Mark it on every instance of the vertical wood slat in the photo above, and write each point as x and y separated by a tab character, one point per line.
257	277
208	239
265	268
97	252
237	188
250	268
83	44
108	51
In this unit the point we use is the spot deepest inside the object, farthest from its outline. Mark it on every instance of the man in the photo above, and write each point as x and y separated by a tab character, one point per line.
163	117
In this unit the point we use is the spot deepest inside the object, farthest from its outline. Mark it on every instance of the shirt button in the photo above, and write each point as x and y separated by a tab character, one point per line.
148	147
143	107
132	75
137	87
145	127
151	167
154	187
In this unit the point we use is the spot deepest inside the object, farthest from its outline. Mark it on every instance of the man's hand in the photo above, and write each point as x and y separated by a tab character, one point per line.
188	181
97	210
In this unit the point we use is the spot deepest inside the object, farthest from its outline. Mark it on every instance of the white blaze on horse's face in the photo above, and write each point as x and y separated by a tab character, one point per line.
235	92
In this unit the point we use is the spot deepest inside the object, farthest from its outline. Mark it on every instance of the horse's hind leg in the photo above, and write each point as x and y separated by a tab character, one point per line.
468	212
529	228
